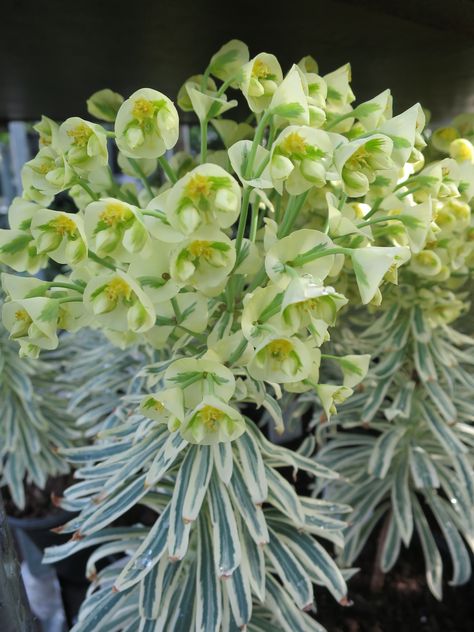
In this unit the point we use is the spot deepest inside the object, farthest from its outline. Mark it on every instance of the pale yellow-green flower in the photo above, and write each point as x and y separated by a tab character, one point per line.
59	235
260	78
212	421
300	159
165	406
204	260
119	303
360	161
84	144
281	359
207	195
147	124
115	228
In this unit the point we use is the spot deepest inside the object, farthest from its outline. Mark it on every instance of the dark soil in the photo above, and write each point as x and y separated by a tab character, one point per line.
38	501
404	603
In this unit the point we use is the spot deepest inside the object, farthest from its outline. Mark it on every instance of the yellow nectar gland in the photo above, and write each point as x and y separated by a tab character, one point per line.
211	416
115	214
63	225
426	258
44	168
22	314
280	349
294	143
200	249
358	160
80	135
143	109
118	288
198	186
260	70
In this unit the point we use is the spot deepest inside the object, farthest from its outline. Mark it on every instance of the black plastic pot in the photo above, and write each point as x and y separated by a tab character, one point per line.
34	535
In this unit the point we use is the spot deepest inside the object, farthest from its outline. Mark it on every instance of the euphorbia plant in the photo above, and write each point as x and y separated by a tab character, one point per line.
404	443
224	264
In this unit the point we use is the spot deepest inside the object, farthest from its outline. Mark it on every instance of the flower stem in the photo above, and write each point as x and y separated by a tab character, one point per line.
169	171
139	171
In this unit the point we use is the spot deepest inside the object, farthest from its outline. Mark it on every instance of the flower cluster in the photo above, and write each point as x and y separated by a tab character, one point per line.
165	265
233	266
412	462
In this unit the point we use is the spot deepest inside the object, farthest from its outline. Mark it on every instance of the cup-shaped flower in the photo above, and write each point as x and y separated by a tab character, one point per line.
119	303
115	228
330	395
147	124
207	104
47	174
300	158
104	104
307	302
18	251
211	422
372	263
339	97
360	161
33	321
405	131
304	252
289	102
281	359
426	263
416	221
198	378
60	235
83	143
207	195
166	407
229	59
261	313
354	368
260	78
204	260
48	132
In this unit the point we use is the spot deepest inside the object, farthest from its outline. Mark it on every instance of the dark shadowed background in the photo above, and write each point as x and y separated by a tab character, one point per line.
54	54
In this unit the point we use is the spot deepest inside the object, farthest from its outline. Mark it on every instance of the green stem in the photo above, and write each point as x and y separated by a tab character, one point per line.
70	299
158	214
338	119
87	189
377	220
203	128
177	311
101	261
317	253
66	286
167	168
254	222
139	171
291	214
258	279
204	78
242	221
199	337
375	207
255	143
